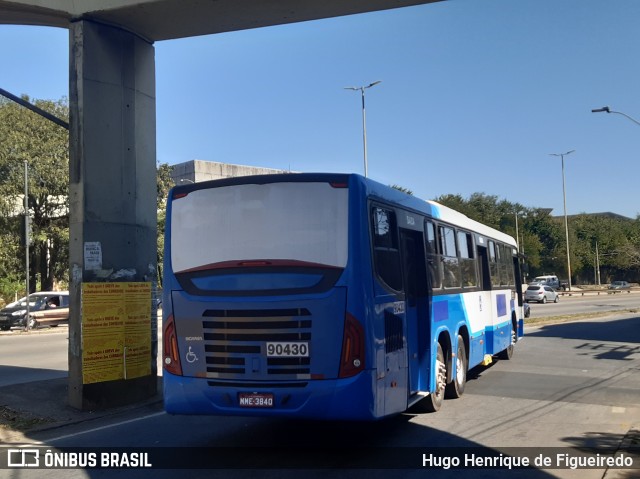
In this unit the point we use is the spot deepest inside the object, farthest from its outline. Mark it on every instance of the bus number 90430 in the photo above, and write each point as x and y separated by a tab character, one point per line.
287	350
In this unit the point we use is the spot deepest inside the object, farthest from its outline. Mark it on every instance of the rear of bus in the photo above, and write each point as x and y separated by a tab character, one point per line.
258	318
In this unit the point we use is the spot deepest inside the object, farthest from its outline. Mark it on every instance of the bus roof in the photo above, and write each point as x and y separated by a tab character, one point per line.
372	188
435	210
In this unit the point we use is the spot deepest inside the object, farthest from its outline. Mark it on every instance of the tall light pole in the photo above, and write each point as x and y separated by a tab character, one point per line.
518	246
517	235
26	235
606	109
566	223
364	120
597	265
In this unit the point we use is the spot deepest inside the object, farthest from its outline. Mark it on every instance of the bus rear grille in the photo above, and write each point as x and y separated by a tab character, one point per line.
235	342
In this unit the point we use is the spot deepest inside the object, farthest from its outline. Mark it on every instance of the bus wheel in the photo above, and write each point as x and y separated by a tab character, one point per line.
433	402
455	389
508	353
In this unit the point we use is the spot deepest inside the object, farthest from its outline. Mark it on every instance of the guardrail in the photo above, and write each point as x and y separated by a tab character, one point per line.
582	292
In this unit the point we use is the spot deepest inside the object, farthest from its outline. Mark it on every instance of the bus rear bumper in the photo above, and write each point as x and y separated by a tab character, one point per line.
346	399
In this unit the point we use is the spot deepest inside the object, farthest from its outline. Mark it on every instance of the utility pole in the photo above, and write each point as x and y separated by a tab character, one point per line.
27	240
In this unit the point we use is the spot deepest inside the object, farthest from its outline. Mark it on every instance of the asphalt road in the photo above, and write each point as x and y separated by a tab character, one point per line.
569	385
588	303
33	356
42	354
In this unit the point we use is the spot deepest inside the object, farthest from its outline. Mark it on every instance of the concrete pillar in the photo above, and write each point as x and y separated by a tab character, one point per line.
112	188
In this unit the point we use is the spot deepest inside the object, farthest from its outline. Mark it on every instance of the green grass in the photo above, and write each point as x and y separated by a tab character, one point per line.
577	316
20	420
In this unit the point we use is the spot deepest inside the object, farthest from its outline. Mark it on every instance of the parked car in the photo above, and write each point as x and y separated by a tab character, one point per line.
540	293
552	281
619	285
45	308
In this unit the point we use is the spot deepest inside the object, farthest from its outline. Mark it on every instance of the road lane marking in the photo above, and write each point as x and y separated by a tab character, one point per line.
101	428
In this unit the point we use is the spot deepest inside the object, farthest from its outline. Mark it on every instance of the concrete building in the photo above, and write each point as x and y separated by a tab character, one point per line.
200	170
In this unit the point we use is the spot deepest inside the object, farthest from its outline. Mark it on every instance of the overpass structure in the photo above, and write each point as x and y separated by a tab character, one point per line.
112	135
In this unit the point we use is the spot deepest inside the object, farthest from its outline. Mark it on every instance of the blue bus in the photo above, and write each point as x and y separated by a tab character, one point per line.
328	296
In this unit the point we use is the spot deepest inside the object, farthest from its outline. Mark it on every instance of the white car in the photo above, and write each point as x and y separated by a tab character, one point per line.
541	294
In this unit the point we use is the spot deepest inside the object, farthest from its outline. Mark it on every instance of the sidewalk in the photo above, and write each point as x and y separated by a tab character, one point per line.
42	405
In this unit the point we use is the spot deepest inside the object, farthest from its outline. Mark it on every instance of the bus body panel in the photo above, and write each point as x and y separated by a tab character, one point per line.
339	399
391	362
228	339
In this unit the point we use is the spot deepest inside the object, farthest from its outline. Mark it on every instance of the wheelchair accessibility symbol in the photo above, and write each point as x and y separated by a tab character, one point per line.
191	356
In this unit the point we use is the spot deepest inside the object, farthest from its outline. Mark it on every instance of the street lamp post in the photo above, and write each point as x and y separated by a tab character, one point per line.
597	278
606	109
364	121
517	235
566	223
26	235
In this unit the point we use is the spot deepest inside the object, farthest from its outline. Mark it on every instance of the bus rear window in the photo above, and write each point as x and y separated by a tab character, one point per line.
259	227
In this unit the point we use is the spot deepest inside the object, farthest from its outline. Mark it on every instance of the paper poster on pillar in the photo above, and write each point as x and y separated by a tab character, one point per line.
116	331
92	255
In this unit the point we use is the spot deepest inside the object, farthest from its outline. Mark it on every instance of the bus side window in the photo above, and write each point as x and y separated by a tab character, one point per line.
386	254
450	263
432	256
414	265
502	266
494	270
509	278
503	275
467	260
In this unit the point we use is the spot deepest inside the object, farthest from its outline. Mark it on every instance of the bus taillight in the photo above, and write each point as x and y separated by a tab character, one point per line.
352	358
171	356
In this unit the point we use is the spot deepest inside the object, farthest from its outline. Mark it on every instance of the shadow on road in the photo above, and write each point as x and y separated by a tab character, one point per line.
622	330
394	447
340	449
602	337
13	375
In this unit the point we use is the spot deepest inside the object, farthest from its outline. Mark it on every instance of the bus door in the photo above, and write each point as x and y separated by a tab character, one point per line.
414	270
390	310
480	346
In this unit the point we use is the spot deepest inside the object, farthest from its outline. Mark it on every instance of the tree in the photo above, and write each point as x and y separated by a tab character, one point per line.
458	203
403	189
43	145
542	238
537	233
165	183
26	136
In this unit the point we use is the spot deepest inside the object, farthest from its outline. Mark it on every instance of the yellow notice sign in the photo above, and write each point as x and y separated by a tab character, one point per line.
116	331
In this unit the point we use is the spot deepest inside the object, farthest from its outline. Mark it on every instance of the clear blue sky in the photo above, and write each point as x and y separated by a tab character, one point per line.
475	95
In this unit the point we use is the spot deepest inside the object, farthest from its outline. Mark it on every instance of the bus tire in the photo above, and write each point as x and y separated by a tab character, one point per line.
508	353
455	388
433	402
